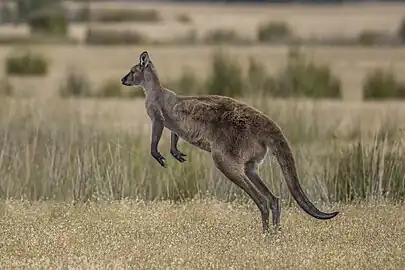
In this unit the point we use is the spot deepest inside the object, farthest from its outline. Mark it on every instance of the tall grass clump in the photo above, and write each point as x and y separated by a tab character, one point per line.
26	62
56	151
304	78
110	88
259	82
75	84
401	30
382	84
224	36
186	84
125	15
49	22
364	171
183	18
226	76
114	37
274	32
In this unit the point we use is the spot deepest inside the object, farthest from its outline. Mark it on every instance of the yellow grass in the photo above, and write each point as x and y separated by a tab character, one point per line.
197	235
306	20
101	63
130	115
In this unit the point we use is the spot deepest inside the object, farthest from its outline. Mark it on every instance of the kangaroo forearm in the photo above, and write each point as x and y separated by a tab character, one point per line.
174	139
157	130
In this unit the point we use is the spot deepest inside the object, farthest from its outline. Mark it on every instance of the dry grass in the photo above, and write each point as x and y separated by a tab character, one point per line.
196	235
306	20
100	63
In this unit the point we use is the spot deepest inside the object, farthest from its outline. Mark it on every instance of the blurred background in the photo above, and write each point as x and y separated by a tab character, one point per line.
331	73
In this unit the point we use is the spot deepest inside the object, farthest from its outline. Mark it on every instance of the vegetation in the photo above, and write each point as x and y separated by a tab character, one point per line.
224	36
273	32
135	234
183	18
80	157
299	78
26	62
304	78
76	84
401	31
225	77
382	84
49	22
125	15
113	37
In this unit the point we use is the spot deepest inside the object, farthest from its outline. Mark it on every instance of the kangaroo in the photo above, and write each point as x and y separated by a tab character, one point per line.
236	135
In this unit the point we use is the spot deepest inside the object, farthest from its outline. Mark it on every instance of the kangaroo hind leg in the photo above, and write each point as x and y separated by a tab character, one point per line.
251	173
233	170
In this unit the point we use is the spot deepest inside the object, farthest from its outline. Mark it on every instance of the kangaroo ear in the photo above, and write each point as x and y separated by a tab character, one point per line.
144	59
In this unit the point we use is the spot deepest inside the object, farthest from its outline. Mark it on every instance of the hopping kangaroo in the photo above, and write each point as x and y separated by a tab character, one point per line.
237	136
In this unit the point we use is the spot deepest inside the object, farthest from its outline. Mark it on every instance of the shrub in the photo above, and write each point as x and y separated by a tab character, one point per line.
26	63
112	37
51	22
122	15
382	84
187	84
110	88
365	171
183	18
273	31
222	36
258	79
226	76
303	78
374	37
401	31
75	84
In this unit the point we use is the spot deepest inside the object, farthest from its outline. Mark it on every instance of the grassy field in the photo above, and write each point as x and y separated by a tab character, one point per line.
306	20
57	153
196	235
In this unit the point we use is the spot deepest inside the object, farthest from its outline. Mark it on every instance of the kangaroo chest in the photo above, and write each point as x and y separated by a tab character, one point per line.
190	131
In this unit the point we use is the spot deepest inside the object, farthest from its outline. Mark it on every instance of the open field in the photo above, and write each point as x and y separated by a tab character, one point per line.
57	153
197	235
101	63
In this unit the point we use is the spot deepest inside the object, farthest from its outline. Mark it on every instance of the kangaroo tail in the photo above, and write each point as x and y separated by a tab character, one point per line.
282	151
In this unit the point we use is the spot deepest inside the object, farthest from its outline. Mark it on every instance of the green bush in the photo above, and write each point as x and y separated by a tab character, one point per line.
273	31
50	22
223	36
187	84
382	84
112	37
110	88
183	18
367	171
374	37
258	79
123	15
26	62
226	76
401	31
304	78
75	84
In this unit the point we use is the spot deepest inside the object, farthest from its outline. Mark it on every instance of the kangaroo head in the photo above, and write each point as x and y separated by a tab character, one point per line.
142	74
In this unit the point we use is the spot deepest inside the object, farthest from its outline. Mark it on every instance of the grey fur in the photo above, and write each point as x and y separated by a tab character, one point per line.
237	135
